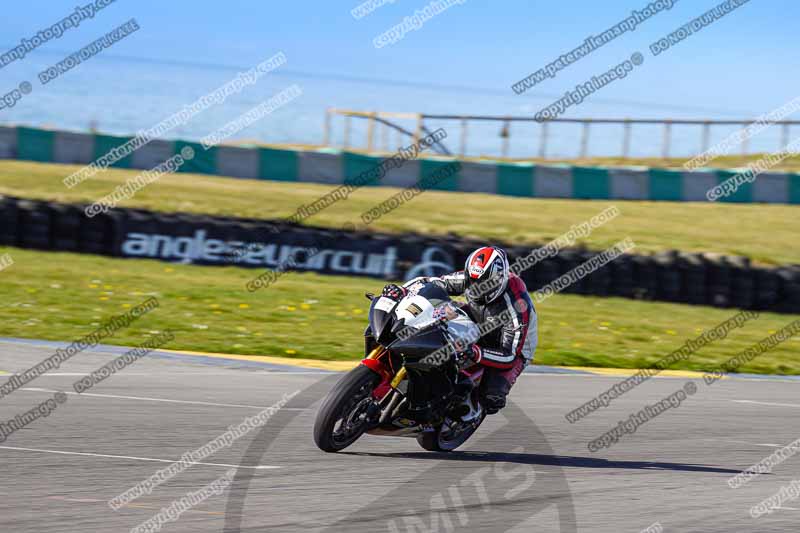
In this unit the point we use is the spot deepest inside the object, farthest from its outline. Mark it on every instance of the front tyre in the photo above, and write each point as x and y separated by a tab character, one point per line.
342	418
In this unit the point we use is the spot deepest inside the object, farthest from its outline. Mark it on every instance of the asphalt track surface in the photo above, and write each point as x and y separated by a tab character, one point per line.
527	469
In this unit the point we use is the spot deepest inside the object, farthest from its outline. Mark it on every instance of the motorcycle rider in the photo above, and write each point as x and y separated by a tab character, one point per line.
491	291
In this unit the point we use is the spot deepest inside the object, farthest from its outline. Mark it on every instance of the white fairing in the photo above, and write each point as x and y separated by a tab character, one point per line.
416	310
418	313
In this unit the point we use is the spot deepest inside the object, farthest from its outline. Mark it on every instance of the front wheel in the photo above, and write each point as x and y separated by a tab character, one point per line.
343	416
450	435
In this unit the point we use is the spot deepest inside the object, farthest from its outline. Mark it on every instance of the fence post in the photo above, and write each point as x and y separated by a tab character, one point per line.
585	139
706	136
665	148
626	139
347	131
543	140
327	139
745	142
505	133
418	132
463	136
370	130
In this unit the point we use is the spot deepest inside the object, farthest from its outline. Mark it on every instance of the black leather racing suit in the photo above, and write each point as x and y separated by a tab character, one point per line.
512	339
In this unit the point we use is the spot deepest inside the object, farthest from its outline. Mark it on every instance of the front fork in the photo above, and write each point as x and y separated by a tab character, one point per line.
377	361
385	394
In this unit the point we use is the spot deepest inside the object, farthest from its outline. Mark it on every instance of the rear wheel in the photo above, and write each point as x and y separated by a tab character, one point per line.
342	418
450	435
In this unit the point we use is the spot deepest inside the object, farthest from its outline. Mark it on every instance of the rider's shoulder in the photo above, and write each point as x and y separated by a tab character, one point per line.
516	287
515	282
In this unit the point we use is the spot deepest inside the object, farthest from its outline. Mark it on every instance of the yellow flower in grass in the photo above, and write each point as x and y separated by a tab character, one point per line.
169	269
214	306
357	311
290	351
671	332
126	305
305	306
605	323
340	313
291	308
104	298
241	328
244	306
93	285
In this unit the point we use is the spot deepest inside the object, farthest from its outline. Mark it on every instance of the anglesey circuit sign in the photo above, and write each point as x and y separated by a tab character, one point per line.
201	249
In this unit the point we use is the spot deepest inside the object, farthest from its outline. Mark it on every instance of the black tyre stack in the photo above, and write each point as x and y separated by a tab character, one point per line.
9	213
692	278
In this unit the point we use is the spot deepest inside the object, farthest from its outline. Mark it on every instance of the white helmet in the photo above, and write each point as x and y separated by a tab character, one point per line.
486	271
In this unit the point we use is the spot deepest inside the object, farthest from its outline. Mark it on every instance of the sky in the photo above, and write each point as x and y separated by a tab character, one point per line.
463	60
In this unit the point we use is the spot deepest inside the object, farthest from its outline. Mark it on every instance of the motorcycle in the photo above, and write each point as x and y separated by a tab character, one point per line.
418	381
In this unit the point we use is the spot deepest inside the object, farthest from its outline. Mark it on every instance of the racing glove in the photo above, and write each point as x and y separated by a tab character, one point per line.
394	292
477	353
466	358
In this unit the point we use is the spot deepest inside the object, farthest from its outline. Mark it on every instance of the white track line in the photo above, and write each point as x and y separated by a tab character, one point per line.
748	443
144	399
85	454
137	506
767	403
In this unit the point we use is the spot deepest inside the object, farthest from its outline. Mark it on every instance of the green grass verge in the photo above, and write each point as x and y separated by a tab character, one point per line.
765	233
61	296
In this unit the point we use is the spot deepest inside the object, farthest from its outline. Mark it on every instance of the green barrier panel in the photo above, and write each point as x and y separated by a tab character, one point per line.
665	185
794	188
515	180
743	194
103	144
356	164
446	175
277	165
203	162
590	183
35	145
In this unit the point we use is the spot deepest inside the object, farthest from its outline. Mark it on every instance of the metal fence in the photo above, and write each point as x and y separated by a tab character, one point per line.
381	126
